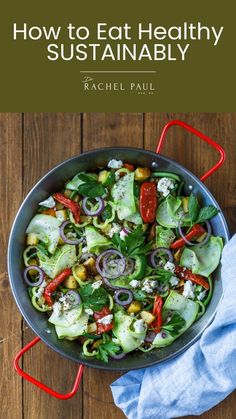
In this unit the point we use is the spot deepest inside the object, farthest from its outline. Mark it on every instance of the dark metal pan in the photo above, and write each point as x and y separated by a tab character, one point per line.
54	180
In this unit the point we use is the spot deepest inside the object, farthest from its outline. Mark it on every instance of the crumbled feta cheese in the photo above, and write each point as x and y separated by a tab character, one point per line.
149	285
134	283
40	291
106	320
123	234
147	289
89	311
189	288
84	249
49	202
57	307
169	266
165	185
173	281
117	176
201	295
115	340
65	302
114	229
96	284
115	164
139	326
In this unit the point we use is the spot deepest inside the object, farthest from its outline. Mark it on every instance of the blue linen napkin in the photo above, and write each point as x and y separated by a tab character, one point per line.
198	379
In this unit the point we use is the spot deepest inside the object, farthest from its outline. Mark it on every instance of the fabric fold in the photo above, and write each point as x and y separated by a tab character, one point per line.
196	380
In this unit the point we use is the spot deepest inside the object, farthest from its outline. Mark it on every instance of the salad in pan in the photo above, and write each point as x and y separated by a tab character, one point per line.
121	259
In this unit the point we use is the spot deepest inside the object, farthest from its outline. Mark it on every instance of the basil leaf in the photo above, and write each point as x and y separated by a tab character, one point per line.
206	213
91	189
193	208
86	177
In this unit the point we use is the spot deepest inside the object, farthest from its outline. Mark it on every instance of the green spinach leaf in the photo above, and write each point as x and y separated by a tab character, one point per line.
91	189
87	177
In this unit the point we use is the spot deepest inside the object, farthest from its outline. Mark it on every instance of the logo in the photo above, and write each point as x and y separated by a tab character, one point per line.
140	87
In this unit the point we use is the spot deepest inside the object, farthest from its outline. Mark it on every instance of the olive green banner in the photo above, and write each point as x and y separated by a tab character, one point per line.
118	56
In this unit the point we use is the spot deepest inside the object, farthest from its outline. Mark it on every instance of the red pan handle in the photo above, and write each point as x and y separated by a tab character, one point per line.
198	134
38	383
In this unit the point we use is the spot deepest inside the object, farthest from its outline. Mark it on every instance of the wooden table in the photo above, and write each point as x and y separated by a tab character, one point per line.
30	145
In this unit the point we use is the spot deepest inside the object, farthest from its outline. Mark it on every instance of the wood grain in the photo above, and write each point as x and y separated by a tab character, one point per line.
10	326
44	139
49	139
112	130
196	155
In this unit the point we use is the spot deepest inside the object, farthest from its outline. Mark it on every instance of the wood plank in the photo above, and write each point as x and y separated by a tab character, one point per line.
49	139
196	154
198	158
11	196
104	130
112	130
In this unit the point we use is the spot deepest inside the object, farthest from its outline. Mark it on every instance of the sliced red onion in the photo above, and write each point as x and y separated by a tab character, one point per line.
114	268
209	230
130	264
123	291
121	355
103	259
156	252
126	230
111	252
73	297
163	288
86	256
64	237
150	336
40	279
96	212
